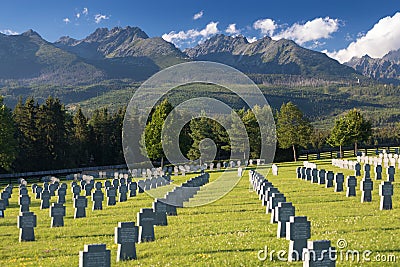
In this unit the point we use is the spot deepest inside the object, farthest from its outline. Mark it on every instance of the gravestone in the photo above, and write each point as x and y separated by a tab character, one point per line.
24	201
88	189
26	224
141	186
111	194
23	191
321	176
240	172
386	193
298	231
351	186
76	191
160	210
367	171
95	255
132	189
97	197
283	212
218	166
146	221
83	183
390	173
57	213
378	172
52	189
308	174
45	199
267	196
314	174
61	195
274	169
319	253
115	183
80	204
2	208
33	186
329	179
339	180
5	196
366	187
126	235
122	190
107	184
273	202
357	169
38	191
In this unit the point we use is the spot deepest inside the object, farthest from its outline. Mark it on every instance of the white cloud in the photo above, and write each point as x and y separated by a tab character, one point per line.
99	17
9	32
66	20
231	29
192	35
267	26
251	39
198	15
377	42
78	15
85	11
313	30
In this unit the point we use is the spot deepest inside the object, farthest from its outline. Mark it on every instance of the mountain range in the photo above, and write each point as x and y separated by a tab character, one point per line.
385	69
120	53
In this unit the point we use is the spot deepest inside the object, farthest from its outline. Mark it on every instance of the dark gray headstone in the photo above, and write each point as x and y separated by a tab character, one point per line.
2	208
24	201
386	193
339	180
5	196
45	199
351	186
367	171
98	186
33	186
80	204
274	200
283	212
132	189
308	174
378	172
76	191
96	255
26	224
61	195
298	172
357	169
146	220
97	198
366	187
107	184
23	191
390	173
115	183
160	210
88	189
319	254
122	192
111	196
126	235
38	191
298	231
321	176
314	174
329	176
57	213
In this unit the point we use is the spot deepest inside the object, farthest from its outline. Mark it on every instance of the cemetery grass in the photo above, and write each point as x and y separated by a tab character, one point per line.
228	232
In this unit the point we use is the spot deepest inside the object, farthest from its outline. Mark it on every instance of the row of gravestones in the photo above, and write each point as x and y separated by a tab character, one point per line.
127	233
27	220
296	229
383	159
356	166
329	179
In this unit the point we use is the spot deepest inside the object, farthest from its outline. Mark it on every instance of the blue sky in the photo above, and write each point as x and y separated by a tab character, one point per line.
340	28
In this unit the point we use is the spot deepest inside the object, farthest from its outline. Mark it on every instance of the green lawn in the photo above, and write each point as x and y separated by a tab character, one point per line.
228	232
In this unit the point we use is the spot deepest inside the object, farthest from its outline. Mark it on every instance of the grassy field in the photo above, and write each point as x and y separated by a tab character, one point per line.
228	232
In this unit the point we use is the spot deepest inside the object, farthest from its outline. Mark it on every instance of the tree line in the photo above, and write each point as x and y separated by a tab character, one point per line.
46	136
